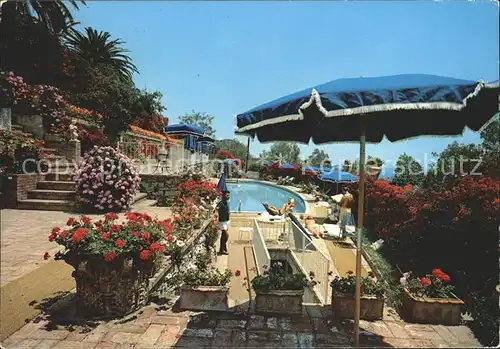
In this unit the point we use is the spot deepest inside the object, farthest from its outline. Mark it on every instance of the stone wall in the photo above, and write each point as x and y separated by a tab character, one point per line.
5	119
16	187
31	124
160	187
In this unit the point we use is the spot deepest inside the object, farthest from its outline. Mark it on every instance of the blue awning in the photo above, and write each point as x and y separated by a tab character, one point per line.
206	139
184	129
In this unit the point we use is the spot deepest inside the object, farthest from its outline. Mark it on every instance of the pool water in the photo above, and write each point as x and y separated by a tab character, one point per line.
253	194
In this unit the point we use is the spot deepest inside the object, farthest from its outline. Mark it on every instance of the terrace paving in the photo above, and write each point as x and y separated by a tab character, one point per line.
164	326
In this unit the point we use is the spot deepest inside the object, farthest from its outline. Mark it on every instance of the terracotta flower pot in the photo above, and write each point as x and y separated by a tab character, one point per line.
109	289
204	298
372	307
446	311
279	301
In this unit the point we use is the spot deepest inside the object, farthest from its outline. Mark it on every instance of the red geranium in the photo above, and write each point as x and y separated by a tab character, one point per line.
425	281
109	256
157	247
144	255
120	243
70	221
79	234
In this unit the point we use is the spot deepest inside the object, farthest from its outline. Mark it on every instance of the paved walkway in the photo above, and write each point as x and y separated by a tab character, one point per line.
24	238
161	326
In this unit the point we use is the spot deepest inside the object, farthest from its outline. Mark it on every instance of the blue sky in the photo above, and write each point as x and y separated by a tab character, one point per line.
224	58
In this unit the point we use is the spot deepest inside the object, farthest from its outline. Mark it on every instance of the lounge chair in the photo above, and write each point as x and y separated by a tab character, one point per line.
268	218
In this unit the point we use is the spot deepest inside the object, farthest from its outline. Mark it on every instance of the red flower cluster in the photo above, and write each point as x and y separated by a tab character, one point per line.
438	273
425	281
140	234
197	190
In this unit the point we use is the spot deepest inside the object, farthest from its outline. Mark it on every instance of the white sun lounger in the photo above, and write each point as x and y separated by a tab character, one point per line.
266	217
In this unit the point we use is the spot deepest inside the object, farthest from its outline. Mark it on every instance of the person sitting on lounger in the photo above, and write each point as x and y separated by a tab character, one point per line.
287	208
312	227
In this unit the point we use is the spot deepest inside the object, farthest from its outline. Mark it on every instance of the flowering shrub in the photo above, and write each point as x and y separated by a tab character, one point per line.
15	149
82	113
225	154
347	285
139	237
195	191
13	90
106	180
89	136
147	133
154	123
435	285
419	226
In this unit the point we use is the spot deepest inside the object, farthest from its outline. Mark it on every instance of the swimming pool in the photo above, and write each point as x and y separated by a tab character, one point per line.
252	194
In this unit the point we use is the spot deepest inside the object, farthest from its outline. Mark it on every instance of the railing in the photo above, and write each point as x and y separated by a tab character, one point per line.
143	151
310	259
261	254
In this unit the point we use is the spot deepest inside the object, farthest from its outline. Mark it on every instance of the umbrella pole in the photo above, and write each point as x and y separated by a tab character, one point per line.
361	202
248	154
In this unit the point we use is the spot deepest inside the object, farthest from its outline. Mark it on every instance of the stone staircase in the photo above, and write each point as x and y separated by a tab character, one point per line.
56	191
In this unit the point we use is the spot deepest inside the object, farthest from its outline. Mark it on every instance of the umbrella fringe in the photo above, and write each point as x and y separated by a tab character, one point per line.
316	98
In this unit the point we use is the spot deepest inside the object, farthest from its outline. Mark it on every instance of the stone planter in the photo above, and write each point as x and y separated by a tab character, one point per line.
204	298
110	289
283	302
446	311
372	307
16	187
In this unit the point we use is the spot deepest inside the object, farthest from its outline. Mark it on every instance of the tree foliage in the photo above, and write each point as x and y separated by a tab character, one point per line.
54	15
234	146
353	167
453	162
408	171
96	47
284	152
202	120
318	158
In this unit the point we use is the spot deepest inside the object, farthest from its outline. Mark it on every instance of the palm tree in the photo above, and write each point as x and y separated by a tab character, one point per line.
96	47
54	15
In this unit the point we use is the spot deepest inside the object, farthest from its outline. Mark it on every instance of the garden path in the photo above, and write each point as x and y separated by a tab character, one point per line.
162	326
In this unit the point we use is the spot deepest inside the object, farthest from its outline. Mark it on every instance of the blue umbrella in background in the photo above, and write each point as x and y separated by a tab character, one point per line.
222	183
367	110
338	176
288	167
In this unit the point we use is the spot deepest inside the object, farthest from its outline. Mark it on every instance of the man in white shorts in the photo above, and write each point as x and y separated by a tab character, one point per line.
223	213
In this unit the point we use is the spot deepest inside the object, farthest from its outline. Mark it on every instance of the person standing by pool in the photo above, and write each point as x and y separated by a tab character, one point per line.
346	204
223	217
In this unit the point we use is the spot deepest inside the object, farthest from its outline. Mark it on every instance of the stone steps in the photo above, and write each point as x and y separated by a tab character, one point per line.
46	205
65	195
139	198
56	185
59	176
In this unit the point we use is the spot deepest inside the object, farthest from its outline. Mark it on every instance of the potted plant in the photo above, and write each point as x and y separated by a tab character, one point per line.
430	299
278	290
204	286
113	262
372	297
